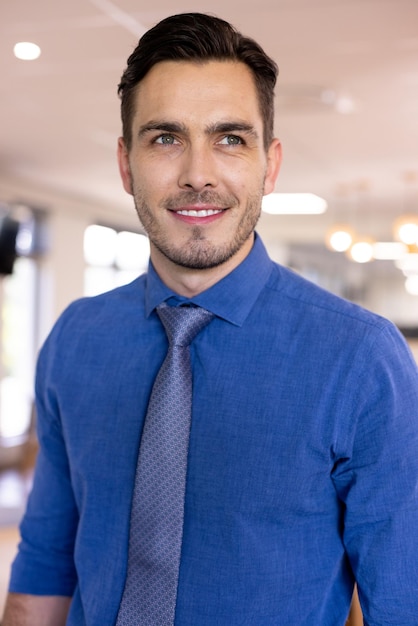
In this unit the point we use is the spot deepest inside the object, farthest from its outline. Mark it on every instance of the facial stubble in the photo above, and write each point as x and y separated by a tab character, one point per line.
198	252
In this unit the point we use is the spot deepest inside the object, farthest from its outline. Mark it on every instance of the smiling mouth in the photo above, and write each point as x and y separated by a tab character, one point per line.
200	213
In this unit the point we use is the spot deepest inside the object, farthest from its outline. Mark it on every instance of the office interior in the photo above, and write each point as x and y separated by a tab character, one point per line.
347	116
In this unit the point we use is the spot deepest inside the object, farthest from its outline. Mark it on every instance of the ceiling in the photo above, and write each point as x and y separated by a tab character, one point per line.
347	101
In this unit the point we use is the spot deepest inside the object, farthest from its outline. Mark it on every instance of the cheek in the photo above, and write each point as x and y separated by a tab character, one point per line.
152	186
154	174
247	181
250	171
235	174
147	179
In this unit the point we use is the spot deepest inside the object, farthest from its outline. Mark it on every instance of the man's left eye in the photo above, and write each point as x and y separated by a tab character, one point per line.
231	140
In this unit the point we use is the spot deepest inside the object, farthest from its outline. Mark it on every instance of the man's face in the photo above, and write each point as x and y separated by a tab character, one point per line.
197	167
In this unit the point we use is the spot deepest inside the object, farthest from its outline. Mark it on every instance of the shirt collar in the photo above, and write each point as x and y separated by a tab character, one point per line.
232	298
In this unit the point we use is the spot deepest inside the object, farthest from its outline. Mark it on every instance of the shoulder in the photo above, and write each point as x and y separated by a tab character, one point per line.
99	320
326	320
117	303
300	293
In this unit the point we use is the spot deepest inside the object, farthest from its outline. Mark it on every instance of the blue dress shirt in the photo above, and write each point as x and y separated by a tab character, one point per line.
303	461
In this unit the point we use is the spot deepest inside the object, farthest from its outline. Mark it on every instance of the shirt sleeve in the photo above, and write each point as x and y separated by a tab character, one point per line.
377	481
44	564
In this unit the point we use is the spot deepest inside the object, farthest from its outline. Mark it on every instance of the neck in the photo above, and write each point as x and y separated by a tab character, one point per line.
189	282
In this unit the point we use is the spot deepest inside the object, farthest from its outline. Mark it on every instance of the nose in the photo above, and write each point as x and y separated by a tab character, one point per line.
198	168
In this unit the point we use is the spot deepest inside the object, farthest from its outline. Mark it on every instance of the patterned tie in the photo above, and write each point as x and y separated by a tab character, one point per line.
149	597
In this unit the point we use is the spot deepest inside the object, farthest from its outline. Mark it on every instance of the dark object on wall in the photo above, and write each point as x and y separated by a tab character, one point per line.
409	332
8	235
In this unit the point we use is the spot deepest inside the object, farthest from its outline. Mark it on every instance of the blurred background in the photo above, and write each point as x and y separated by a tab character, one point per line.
347	115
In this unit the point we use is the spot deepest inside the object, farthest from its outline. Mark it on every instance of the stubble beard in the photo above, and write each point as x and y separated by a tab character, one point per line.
198	252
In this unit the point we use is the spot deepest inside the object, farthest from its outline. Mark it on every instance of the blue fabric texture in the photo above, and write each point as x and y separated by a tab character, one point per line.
303	458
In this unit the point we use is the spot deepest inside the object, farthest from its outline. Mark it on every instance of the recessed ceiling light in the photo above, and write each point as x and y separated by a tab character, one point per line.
406	229
27	51
344	105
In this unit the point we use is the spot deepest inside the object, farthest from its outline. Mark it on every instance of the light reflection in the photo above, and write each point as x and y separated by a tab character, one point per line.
132	251
15	410
99	245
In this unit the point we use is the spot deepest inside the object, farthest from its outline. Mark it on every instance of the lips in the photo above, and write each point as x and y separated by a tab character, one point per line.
198	212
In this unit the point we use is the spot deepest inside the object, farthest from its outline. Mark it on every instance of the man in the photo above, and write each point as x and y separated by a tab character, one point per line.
302	461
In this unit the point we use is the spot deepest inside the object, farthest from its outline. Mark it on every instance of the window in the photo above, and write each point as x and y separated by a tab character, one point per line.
112	257
19	324
18	319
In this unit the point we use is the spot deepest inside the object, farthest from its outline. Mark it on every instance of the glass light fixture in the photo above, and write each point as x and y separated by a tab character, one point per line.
406	229
361	251
339	238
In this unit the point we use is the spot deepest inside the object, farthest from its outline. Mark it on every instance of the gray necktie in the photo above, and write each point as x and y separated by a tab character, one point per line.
149	597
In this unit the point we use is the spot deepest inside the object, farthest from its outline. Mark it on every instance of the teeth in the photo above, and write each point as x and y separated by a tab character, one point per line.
205	213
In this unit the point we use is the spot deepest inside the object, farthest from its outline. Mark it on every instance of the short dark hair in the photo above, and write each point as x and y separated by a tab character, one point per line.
197	37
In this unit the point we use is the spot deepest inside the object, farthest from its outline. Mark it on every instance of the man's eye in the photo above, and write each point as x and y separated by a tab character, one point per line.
165	139
231	140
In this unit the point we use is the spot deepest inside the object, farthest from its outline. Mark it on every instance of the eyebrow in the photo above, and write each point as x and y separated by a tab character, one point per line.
211	129
166	127
232	127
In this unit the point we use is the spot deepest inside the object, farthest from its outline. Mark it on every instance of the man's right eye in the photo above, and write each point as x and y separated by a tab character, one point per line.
165	139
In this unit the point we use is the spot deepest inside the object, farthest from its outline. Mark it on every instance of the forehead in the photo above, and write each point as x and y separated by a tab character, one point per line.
212	89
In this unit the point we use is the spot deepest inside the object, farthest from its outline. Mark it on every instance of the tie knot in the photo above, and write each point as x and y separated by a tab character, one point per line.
182	324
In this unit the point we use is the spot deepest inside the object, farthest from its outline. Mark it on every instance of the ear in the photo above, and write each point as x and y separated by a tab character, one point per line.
274	161
124	167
